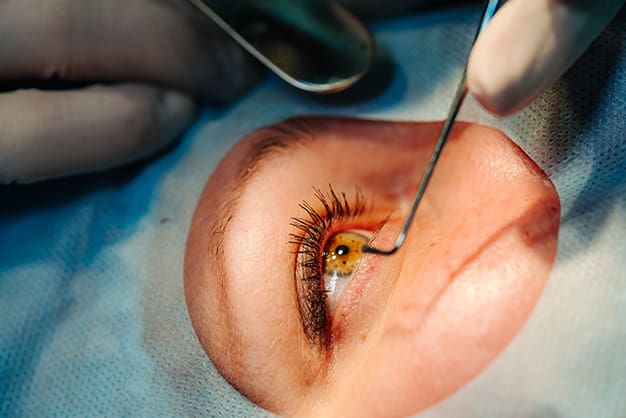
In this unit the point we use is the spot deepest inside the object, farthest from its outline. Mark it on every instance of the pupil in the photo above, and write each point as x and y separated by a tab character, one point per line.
342	250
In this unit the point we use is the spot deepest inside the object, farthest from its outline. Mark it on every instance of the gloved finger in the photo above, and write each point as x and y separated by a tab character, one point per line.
528	45
46	134
163	41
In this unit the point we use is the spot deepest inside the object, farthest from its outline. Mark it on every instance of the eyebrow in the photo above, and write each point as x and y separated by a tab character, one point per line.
271	142
275	140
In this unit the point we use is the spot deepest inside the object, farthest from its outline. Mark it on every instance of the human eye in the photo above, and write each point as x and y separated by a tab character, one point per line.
328	240
303	334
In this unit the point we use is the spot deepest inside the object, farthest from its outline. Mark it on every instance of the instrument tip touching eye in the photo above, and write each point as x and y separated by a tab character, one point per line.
491	6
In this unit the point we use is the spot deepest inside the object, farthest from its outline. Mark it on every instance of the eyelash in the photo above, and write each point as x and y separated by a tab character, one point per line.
310	239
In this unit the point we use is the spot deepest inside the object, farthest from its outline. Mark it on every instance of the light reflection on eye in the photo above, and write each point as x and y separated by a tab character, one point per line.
341	257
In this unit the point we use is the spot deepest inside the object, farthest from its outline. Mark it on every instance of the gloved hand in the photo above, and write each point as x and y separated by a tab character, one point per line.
141	63
144	61
528	45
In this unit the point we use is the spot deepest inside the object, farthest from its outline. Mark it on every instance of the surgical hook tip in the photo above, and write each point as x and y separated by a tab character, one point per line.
491	6
371	250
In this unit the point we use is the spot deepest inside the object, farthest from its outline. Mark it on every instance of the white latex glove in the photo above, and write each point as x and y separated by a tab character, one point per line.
143	63
528	45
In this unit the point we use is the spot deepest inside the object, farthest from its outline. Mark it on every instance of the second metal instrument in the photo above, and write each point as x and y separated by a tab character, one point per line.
491	7
314	45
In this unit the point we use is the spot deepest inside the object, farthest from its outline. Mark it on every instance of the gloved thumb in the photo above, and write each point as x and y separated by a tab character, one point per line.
528	45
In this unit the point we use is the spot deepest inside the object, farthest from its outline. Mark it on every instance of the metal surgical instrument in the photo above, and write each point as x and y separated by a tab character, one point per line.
491	7
314	45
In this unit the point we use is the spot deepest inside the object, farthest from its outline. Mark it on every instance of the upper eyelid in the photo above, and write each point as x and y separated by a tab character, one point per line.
339	209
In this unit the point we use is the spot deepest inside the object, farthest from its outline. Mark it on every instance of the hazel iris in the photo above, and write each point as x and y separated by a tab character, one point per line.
342	253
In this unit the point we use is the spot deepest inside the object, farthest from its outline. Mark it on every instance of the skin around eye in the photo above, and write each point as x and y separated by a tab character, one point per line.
433	315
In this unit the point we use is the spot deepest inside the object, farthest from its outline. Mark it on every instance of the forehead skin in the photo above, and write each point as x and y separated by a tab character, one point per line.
432	316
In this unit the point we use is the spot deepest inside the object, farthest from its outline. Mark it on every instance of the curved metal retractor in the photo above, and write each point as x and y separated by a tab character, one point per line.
314	45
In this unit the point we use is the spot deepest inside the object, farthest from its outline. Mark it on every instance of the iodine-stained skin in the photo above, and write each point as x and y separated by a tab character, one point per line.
406	331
